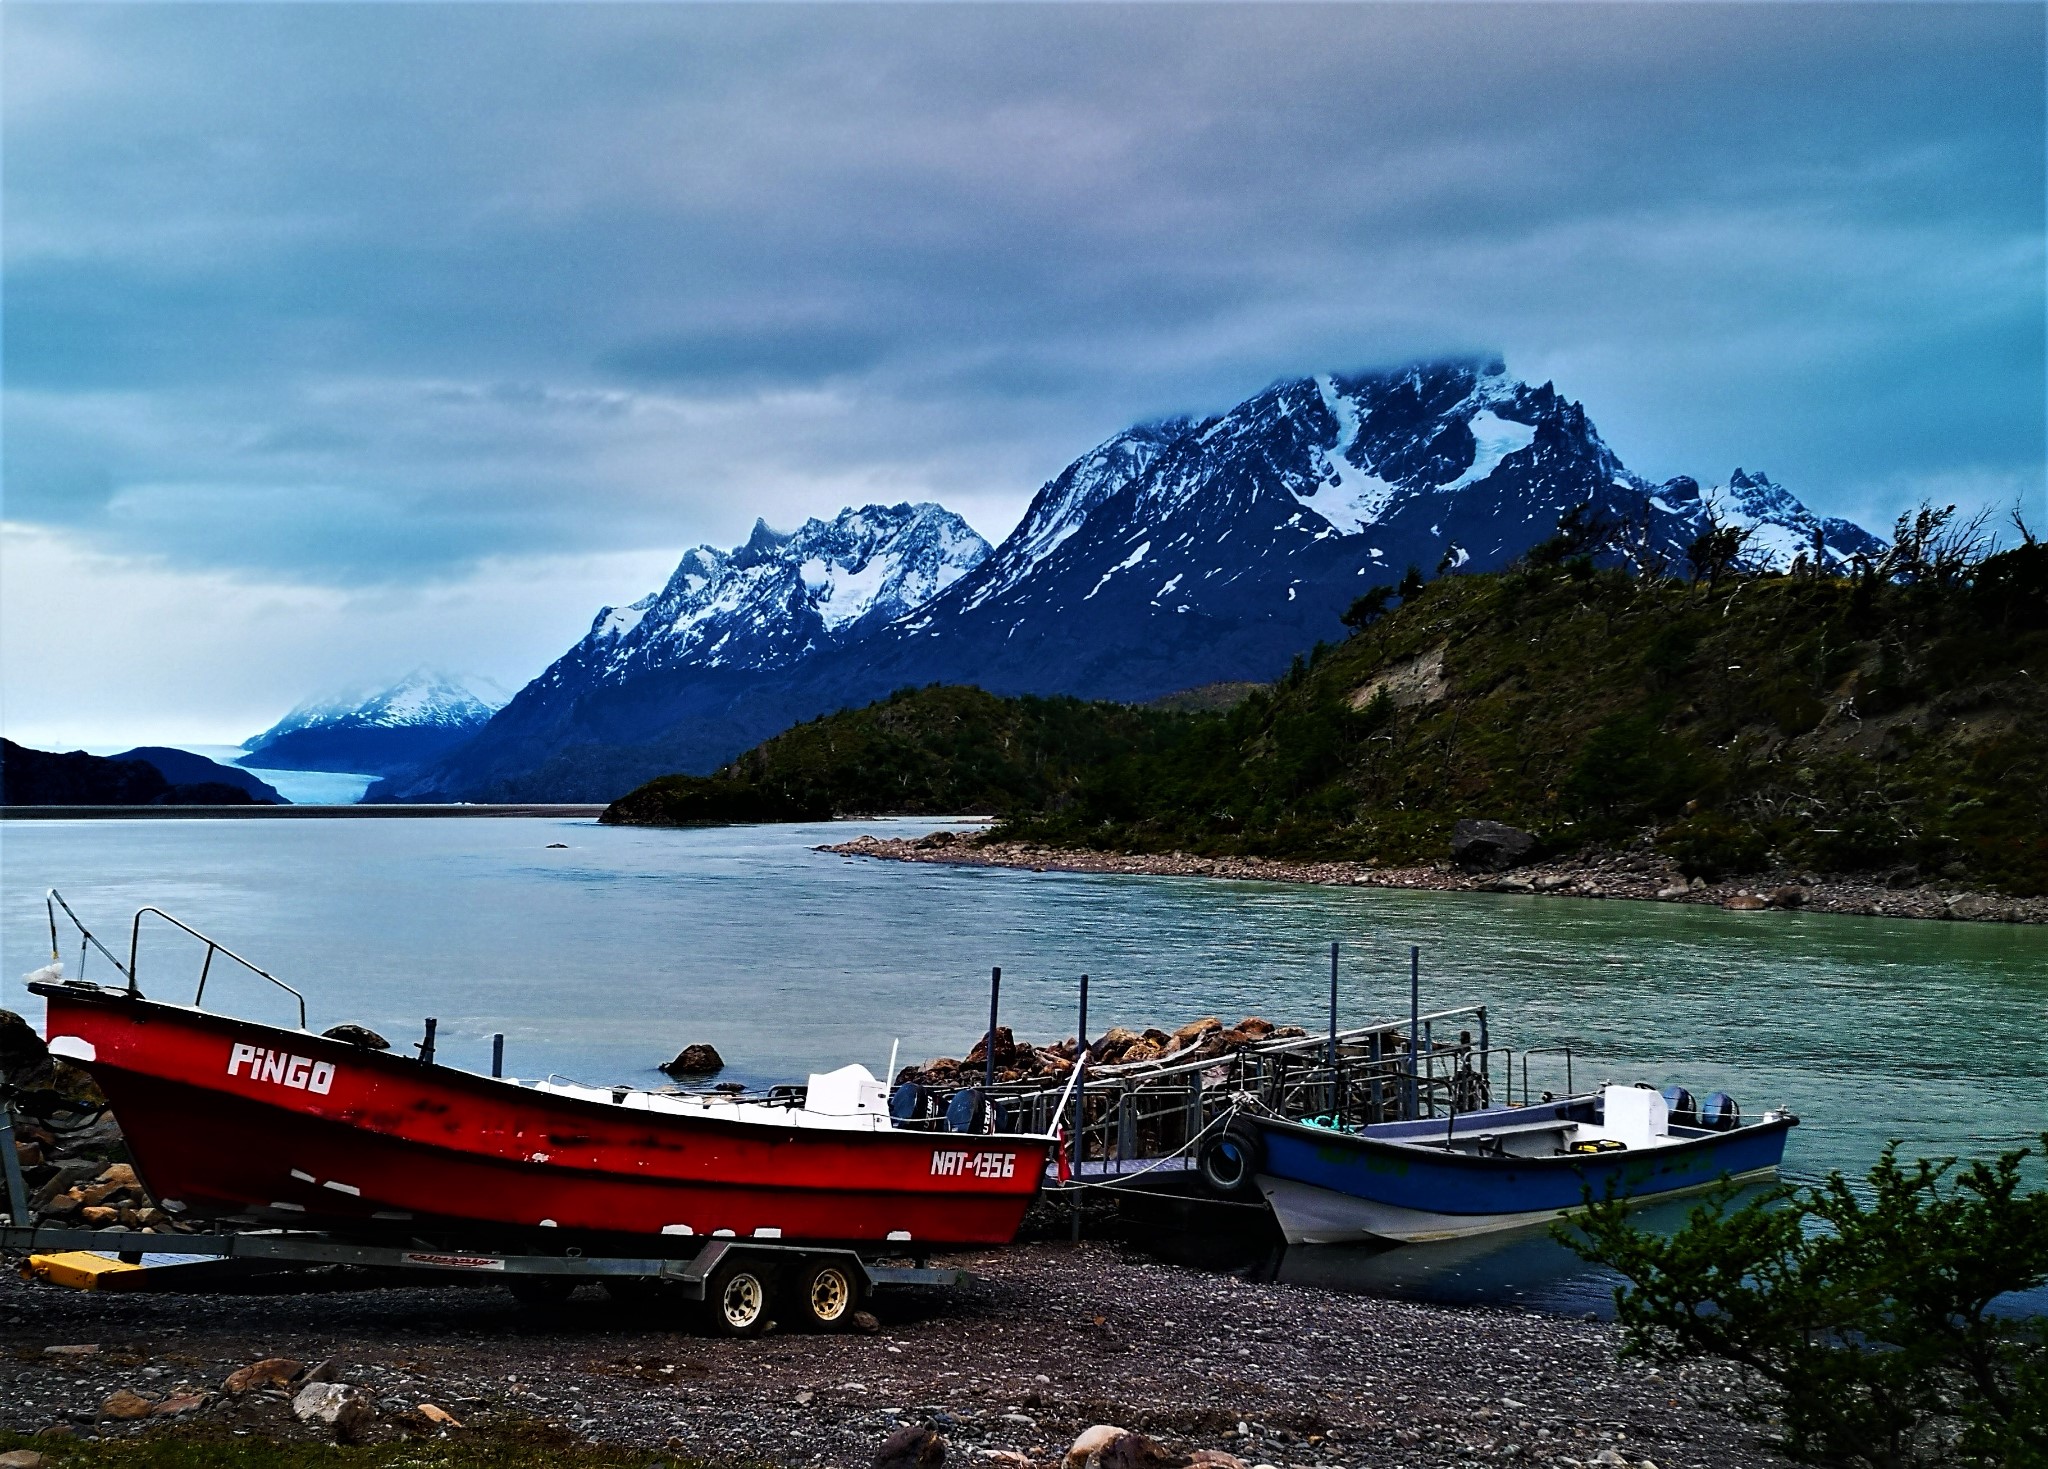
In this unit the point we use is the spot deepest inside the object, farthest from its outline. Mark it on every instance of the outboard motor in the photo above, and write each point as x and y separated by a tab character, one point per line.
907	1103
967	1111
1718	1113
1684	1110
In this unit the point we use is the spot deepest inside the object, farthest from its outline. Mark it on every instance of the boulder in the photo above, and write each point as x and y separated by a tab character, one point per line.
24	1059
122	1403
1215	1459
357	1035
1745	903
98	1216
22	1459
177	1405
270	1372
1255	1027
1139	1050
438	1416
696	1060
1194	1030
1006	1048
1788	897
1286	1033
912	1446
1092	1441
120	1175
1972	905
1489	846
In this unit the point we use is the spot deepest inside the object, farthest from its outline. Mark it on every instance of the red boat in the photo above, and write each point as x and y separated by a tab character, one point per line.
229	1117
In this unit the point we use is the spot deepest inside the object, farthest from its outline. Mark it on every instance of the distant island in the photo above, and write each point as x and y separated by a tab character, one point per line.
152	775
1890	724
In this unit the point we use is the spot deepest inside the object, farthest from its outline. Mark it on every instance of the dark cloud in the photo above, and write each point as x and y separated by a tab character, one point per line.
352	291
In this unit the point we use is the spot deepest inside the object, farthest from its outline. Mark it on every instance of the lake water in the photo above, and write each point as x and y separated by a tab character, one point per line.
601	959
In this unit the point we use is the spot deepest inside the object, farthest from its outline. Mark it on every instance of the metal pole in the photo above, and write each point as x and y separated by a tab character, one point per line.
427	1045
498	1055
1414	1019
995	990
18	1211
1333	1010
1079	1145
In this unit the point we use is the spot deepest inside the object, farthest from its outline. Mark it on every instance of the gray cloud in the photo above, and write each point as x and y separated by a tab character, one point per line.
353	293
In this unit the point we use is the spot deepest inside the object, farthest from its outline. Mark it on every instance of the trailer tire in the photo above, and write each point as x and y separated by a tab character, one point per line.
1229	1161
829	1295
737	1298
541	1290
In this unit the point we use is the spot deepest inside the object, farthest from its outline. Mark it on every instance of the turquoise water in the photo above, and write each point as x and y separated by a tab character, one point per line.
602	959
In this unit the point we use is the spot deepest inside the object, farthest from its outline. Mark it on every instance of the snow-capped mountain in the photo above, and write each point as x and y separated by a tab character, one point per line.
378	732
724	620
1174	554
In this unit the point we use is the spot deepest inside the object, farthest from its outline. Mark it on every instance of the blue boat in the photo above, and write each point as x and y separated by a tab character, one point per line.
1500	1167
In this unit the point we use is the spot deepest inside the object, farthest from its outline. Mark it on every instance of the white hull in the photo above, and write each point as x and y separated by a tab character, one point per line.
1319	1216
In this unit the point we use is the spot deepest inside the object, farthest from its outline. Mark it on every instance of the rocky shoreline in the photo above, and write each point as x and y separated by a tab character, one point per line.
1050	1341
1642	875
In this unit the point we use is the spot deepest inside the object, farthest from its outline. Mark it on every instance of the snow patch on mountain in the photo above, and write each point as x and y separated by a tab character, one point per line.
780	597
421	700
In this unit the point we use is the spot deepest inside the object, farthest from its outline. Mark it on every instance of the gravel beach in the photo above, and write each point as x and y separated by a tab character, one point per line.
1642	875
1050	1340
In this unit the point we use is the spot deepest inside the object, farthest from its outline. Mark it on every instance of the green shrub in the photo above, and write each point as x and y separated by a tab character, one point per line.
1865	1319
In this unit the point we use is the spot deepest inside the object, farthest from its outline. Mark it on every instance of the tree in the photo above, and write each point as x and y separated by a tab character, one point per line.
1411	584
1367	610
1864	1318
1716	551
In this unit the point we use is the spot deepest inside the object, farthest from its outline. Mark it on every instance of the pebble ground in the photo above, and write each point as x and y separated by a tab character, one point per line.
1050	1339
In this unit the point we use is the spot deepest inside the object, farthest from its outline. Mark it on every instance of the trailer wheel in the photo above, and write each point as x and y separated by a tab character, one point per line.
541	1290
830	1295
736	1299
1229	1161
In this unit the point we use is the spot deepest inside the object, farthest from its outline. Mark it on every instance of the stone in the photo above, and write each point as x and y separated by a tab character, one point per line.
1553	882
1215	1459
22	1459
1192	1033
1252	1025
27	1154
357	1035
1744	903
436	1414
1678	891
1093	1441
1971	905
1132	1450
98	1216
695	1060
119	1175
86	1349
335	1406
1489	846
179	1404
1511	885
270	1372
867	1322
912	1446
1788	897
122	1403
61	1207
327	1369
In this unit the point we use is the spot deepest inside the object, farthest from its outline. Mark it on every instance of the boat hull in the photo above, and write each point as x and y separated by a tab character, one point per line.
1335	1188
338	1137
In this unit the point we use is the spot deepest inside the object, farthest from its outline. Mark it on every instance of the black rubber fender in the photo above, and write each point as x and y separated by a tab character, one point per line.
1230	1161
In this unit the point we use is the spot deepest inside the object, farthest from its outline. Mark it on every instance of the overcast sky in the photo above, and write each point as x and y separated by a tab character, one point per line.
344	339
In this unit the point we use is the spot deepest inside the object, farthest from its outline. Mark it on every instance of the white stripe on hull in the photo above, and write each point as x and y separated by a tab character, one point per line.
1319	1216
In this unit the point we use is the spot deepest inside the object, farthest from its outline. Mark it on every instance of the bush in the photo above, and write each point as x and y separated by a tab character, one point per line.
1864	1321
1713	845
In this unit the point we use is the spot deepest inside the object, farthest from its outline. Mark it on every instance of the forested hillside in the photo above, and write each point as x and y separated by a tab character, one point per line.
1891	722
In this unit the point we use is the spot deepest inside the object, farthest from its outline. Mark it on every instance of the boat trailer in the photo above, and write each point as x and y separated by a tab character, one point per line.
741	1282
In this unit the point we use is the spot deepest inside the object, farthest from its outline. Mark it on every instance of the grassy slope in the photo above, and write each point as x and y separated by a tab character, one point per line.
1770	721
